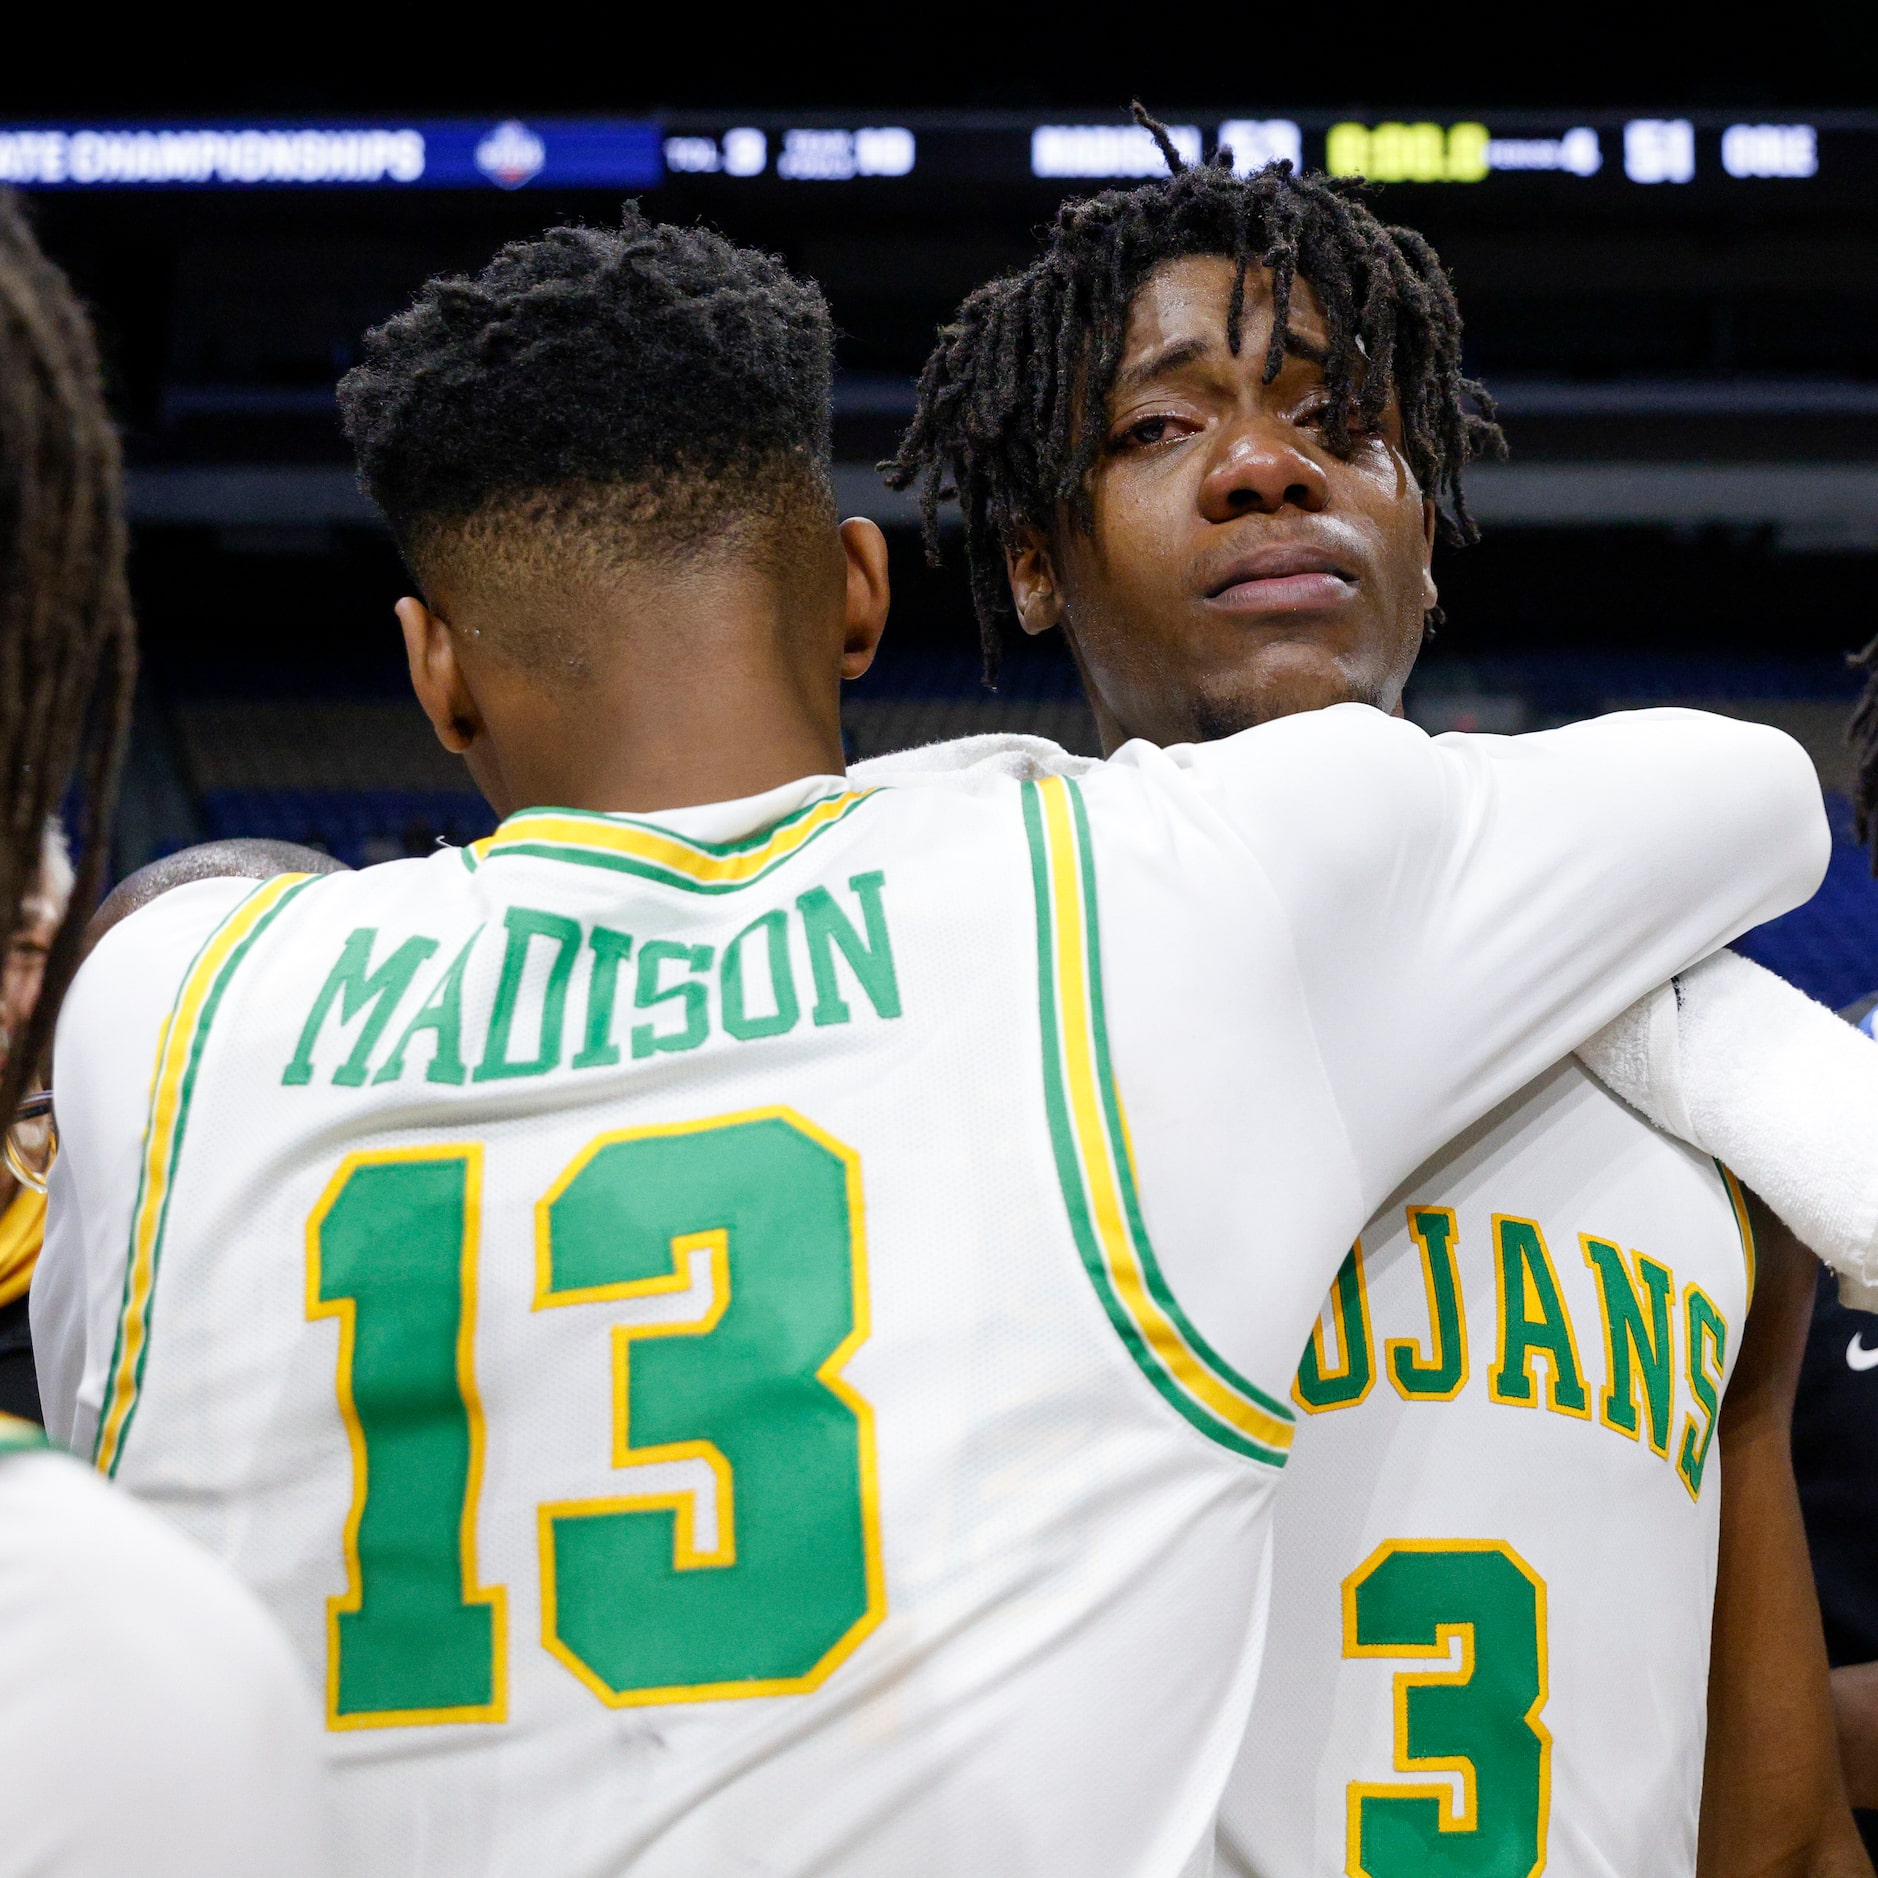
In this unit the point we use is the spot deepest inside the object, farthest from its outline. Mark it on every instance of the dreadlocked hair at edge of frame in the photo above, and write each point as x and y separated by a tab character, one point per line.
1862	734
67	642
1008	417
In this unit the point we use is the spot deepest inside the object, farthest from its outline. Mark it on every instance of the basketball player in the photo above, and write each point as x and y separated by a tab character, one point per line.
1835	1412
1497	1549
58	1297
22	1202
663	1303
152	1718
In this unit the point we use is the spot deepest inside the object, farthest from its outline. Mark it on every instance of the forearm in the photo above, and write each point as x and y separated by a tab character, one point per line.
1855	1711
1772	1800
1773	1797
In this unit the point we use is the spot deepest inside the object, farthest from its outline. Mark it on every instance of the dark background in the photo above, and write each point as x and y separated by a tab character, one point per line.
1699	364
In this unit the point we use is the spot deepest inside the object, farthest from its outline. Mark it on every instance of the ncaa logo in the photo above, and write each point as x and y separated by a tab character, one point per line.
511	155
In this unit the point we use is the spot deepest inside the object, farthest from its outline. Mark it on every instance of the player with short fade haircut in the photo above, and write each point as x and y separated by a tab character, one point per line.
663	1301
669	402
1211	434
1009	416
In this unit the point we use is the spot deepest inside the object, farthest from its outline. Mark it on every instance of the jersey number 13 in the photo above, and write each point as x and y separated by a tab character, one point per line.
638	1600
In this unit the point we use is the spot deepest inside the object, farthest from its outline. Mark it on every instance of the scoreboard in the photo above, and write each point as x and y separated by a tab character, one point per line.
1597	156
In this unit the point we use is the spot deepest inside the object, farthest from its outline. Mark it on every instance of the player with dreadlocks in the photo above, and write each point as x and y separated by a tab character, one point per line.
1835	1454
698	1407
151	1716
1009	419
1212	433
67	649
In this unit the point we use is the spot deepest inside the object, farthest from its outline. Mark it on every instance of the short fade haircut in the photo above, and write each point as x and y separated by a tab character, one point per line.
1010	414
595	396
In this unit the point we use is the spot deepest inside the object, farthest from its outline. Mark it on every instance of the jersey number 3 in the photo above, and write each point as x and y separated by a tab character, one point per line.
1476	1720
739	1243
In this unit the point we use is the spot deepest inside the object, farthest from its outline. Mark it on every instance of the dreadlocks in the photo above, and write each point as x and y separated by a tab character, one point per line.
1009	415
67	644
1862	735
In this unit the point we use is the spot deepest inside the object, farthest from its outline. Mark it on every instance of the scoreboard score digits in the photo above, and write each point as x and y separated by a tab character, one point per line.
1588	155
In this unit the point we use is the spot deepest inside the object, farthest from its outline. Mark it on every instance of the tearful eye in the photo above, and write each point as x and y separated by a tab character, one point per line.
1316	416
1145	433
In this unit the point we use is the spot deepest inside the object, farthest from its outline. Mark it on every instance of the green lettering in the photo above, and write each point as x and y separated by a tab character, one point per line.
648	992
1526	1277
609	953
1630	1344
871	962
354	987
1706	1335
441	1013
526	925
1320	1384
781	978
1439	1379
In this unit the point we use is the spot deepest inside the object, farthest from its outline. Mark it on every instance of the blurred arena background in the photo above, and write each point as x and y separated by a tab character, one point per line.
1675	303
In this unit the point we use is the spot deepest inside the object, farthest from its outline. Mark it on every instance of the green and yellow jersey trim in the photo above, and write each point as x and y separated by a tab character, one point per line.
19	1436
1738	1201
1093	1160
631	846
179	1057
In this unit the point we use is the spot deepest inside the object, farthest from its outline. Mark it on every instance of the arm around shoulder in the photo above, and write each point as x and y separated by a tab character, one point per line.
1466	910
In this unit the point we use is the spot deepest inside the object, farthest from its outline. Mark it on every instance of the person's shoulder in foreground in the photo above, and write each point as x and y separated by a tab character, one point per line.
152	1717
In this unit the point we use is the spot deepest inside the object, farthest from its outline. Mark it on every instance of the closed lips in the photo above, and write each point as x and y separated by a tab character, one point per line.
1283	578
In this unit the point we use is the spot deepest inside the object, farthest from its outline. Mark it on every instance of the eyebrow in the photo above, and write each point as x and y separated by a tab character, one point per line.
1169	359
1183	352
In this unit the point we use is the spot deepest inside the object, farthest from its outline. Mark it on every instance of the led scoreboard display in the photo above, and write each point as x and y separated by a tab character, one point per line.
386	154
1595	151
1591	155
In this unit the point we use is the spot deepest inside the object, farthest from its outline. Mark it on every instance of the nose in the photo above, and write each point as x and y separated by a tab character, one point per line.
1260	468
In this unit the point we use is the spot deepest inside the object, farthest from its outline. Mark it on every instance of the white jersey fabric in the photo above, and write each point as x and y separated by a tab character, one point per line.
152	1717
1508	1412
758	1339
1494	1556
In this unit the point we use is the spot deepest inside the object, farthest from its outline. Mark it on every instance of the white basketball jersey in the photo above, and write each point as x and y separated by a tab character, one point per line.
152	1718
1494	1558
675	1317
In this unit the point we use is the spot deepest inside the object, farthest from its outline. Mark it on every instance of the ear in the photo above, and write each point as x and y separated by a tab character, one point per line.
1036	592
869	594
437	678
1430	595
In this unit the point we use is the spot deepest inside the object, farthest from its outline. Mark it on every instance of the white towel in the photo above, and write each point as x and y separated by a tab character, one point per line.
1738	1063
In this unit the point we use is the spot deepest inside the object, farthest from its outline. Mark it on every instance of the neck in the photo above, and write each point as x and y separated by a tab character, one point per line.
710	685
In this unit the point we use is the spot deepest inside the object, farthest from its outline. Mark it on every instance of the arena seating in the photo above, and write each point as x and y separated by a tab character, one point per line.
365	780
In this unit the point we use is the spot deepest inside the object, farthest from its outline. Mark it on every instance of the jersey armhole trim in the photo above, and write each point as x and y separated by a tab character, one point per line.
179	1056
1738	1201
1094	1163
